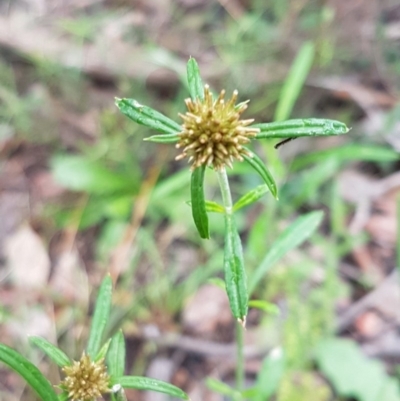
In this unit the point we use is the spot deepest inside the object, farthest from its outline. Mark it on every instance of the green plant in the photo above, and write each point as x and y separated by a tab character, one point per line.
100	369
213	135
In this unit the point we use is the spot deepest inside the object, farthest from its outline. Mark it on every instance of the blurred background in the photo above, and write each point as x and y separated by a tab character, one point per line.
81	194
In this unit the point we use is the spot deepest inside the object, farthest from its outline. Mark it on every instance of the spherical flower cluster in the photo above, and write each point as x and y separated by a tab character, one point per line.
212	132
86	380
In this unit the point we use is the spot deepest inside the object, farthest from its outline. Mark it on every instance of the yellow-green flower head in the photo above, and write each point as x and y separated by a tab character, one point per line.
86	380
212	132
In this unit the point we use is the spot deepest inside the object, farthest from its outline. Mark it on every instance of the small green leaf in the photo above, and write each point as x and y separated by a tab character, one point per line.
258	165
363	152
270	375
212	207
103	351
222	388
265	306
198	202
53	352
196	87
167	138
116	355
235	274
250	197
147	116
300	127
29	372
146	383
79	173
352	374
100	317
218	282
292	236
295	81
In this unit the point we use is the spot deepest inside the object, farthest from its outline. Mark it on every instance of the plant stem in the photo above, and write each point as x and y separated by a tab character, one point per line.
239	357
228	206
225	191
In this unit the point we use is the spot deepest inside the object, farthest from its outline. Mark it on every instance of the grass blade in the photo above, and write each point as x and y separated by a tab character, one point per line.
29	372
198	202
361	152
292	236
53	352
146	383
100	317
295	81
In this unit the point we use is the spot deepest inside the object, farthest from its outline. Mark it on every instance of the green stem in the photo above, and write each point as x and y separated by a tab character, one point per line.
228	206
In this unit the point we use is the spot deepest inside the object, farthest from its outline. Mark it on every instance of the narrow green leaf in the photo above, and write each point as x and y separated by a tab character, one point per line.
199	211
147	116
265	306
146	383
103	351
373	153
29	372
222	388
116	355
212	207
53	352
250	197
235	274
300	127
292	236
258	165
196	87
270	375
100	317
295	81
166	138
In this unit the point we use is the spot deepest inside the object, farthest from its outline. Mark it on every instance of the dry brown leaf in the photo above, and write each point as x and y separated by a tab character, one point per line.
27	259
207	312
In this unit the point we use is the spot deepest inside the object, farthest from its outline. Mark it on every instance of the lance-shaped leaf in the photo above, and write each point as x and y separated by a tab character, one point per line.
292	236
103	351
146	383
196	87
198	202
53	352
147	116
250	197
29	372
300	127
100	317
116	355
259	166
270	375
212	207
235	274
167	138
